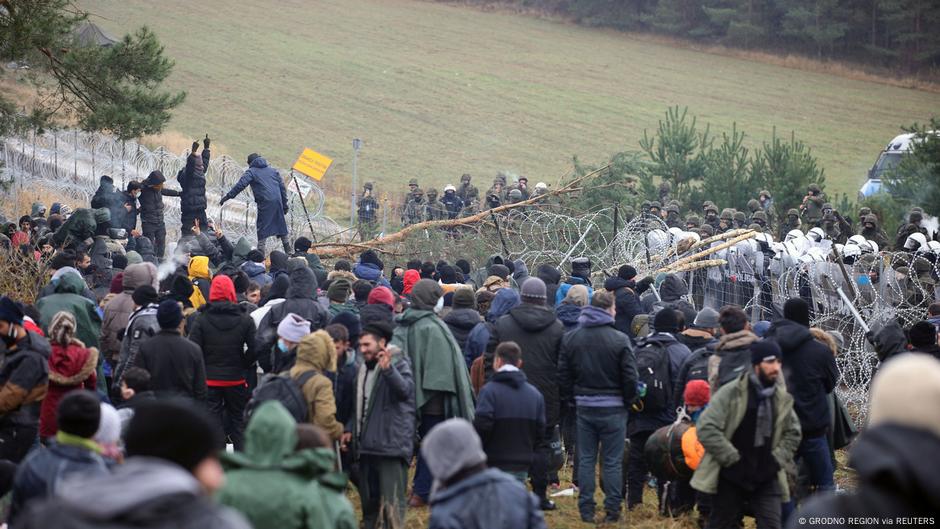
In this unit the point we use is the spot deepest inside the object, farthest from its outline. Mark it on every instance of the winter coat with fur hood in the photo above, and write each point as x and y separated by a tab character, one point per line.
71	367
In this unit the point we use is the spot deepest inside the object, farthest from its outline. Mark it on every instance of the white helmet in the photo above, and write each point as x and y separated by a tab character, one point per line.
793	234
850	250
541	186
857	240
916	242
676	233
450	187
840	248
870	247
816	234
658	240
934	246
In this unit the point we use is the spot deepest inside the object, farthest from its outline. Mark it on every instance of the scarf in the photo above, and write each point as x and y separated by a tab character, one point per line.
765	412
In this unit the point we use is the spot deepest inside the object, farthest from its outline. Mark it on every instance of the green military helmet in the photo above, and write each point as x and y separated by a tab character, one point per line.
418	192
367	185
792	212
515	195
727	214
672	208
754	226
739	216
759	215
465	178
814	189
764	193
656	204
753	205
432	192
871	218
706	204
711	208
665	187
413	182
645	204
693	221
706	230
864	212
917	209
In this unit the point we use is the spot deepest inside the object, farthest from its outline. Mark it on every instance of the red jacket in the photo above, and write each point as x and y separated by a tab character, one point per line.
71	367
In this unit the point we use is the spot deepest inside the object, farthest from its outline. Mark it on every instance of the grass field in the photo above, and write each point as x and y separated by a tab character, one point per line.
437	90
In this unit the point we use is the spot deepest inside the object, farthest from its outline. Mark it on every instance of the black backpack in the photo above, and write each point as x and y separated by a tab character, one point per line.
652	366
284	389
698	365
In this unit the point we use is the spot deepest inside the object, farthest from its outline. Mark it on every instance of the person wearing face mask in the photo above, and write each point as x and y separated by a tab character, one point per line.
872	231
442	384
24	380
284	353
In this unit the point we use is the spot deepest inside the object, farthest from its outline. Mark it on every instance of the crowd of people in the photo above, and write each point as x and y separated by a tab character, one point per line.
228	386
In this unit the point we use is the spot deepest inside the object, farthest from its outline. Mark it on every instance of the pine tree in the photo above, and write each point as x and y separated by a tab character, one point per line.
114	89
814	24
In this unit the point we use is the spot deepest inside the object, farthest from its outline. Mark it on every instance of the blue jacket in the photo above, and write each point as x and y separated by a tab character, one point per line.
270	195
257	273
44	468
490	499
568	315
566	286
510	418
370	272
506	299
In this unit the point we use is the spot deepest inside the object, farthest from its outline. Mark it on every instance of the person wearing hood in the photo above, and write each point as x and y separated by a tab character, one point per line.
316	353
24	378
871	230
68	297
894	479
623	285
521	271
701	339
253	266
201	278
302	248
510	415
463	317
141	325
597	373
538	332
151	210
192	180
465	489
383	441
72	452
275	296
71	367
277	263
226	336
62	262
267	187
811	374
171	472
344	334
505	300
646	420
551	277
338	295
671	292
749	431
300	299
108	197
442	384
923	338
580	275
277	486
380	306
175	364
478	277
569	310
409	280
370	268
119	309
144	249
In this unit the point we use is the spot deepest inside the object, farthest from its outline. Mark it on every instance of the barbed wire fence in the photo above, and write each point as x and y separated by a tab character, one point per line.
69	163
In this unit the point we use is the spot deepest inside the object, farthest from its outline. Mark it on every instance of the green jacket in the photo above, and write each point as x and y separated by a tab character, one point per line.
68	297
278	488
437	362
723	416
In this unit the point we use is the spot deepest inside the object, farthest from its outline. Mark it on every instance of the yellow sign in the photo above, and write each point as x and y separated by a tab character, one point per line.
312	164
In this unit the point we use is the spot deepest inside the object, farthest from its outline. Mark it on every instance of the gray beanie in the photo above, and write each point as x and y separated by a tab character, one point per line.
450	447
533	291
293	328
134	257
707	318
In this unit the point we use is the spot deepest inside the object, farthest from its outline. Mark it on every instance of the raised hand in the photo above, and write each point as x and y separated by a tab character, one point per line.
205	142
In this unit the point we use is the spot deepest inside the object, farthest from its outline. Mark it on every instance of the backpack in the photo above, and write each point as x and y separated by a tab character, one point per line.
652	366
284	389
698	365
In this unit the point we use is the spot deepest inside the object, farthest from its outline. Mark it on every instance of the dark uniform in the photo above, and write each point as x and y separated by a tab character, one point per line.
368	211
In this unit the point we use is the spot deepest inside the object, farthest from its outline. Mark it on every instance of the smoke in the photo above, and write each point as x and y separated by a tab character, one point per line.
932	224
170	265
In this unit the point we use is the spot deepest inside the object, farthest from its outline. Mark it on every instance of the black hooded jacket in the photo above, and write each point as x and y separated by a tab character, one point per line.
192	180
551	276
301	299
226	336
627	303
809	368
895	479
538	332
461	322
151	203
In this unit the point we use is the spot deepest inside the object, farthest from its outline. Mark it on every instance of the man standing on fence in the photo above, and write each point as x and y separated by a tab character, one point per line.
192	179
151	210
271	197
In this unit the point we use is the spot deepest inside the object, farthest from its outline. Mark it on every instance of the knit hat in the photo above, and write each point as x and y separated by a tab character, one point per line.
626	272
464	299
109	426
922	334
500	271
450	447
169	314
10	312
292	328
62	328
255	256
577	295
144	295
697	393
707	318
666	321
79	413
117	284
380	329
763	350
761	328
339	289
222	289
409	280
425	294
173	430
796	310
118	261
302	244
381	295
581	267
906	392
351	322
533	291
181	288
464	266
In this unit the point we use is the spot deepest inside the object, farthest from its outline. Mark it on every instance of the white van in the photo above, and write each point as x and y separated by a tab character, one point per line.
889	159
